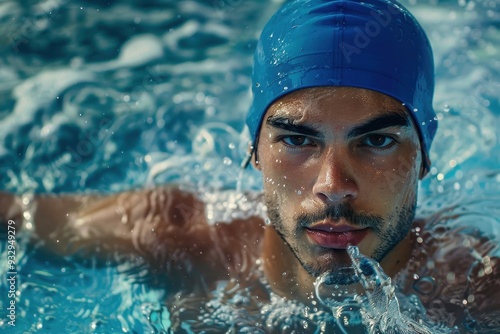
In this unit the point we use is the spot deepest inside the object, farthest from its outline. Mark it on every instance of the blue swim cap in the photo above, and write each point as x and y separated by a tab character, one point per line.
372	44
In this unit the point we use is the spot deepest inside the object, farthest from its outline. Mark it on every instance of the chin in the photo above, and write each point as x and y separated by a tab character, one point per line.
342	276
334	261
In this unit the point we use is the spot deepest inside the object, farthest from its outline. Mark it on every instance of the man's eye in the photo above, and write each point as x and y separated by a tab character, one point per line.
378	141
296	140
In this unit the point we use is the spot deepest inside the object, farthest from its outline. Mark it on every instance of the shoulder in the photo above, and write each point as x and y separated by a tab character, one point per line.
221	228
454	271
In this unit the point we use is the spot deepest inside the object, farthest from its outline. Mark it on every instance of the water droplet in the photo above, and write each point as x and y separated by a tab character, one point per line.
425	285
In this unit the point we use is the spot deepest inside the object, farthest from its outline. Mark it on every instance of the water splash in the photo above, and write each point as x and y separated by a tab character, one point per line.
371	302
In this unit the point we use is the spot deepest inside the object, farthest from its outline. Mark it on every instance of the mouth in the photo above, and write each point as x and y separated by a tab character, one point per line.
336	236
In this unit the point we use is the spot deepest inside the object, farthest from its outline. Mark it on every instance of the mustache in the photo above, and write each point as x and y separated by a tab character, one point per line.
345	211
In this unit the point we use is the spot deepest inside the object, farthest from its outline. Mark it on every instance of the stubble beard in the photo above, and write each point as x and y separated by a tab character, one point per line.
337	261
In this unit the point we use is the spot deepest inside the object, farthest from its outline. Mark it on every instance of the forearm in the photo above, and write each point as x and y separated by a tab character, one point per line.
155	223
66	223
135	221
48	217
10	207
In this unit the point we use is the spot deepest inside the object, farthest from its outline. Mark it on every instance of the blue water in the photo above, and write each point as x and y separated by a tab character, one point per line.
103	97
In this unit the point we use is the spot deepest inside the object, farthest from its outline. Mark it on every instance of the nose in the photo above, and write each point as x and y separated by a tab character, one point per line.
336	180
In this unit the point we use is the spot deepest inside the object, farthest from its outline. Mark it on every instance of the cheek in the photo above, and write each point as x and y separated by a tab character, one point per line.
399	172
278	172
394	185
283	187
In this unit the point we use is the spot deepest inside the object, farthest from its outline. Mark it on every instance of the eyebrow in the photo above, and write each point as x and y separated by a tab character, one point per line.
287	124
391	119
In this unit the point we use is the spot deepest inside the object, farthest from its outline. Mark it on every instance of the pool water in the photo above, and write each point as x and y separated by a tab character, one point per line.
104	97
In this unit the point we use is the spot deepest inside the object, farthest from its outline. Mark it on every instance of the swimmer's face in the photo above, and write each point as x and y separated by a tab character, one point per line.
340	167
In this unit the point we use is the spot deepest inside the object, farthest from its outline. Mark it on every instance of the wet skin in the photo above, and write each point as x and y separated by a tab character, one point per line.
340	166
354	155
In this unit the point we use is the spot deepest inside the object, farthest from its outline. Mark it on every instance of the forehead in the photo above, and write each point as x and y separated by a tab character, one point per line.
344	104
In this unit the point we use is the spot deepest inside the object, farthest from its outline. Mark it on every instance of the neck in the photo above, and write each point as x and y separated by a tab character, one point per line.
284	272
289	279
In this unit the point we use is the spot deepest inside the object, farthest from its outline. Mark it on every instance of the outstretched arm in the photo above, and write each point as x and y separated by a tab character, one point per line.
148	221
10	207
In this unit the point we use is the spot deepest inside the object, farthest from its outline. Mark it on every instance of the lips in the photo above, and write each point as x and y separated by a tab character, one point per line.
336	236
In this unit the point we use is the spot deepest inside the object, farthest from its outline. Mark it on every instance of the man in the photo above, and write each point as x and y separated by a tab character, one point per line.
341	125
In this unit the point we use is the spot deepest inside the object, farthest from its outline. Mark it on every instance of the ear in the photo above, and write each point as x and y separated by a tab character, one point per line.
255	161
256	164
423	170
